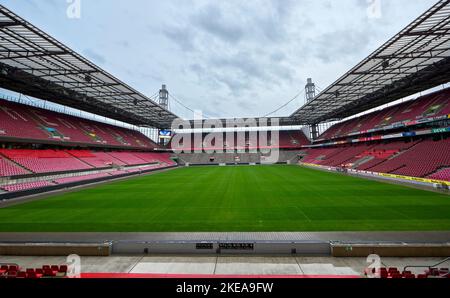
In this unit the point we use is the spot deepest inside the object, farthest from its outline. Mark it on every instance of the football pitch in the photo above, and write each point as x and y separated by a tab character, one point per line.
242	198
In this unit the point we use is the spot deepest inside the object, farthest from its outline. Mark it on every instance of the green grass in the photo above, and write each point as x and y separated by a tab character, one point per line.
253	198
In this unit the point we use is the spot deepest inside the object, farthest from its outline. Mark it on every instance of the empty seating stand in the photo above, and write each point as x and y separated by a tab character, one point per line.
81	178
128	158
395	273
46	271
9	169
101	160
30	123
432	105
65	165
53	161
421	158
419	161
45	161
443	174
285	140
25	186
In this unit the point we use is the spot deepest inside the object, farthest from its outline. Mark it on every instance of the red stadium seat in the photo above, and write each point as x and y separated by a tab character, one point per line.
432	105
416	159
31	123
49	273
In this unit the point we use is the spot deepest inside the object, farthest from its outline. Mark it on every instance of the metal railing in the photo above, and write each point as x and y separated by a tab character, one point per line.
427	266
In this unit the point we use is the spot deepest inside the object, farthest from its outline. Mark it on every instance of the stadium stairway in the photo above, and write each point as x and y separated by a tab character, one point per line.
364	161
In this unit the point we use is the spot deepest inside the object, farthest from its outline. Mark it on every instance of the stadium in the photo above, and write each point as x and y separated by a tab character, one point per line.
92	168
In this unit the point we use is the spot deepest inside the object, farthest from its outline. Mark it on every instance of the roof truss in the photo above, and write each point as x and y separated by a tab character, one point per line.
416	59
33	63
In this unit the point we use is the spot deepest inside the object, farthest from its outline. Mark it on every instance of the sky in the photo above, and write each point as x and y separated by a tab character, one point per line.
228	58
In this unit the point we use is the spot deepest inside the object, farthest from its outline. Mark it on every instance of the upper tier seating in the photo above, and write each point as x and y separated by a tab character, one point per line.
432	105
30	123
292	139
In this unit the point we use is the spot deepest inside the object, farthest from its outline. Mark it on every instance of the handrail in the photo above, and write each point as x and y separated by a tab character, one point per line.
425	266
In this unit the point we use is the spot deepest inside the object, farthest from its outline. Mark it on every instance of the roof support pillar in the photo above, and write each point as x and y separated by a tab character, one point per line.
314	131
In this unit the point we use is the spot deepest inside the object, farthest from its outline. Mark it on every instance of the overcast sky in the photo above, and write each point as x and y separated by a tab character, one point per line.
225	57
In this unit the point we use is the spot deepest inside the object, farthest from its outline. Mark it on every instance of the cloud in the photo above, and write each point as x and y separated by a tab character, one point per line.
228	58
183	37
211	20
340	44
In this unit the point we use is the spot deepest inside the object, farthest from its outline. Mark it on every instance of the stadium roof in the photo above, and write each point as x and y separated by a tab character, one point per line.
416	59
35	64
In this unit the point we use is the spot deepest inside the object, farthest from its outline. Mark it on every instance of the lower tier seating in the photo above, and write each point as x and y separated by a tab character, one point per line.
54	161
101	160
81	178
46	271
8	168
25	186
419	161
128	158
421	158
443	174
64	164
